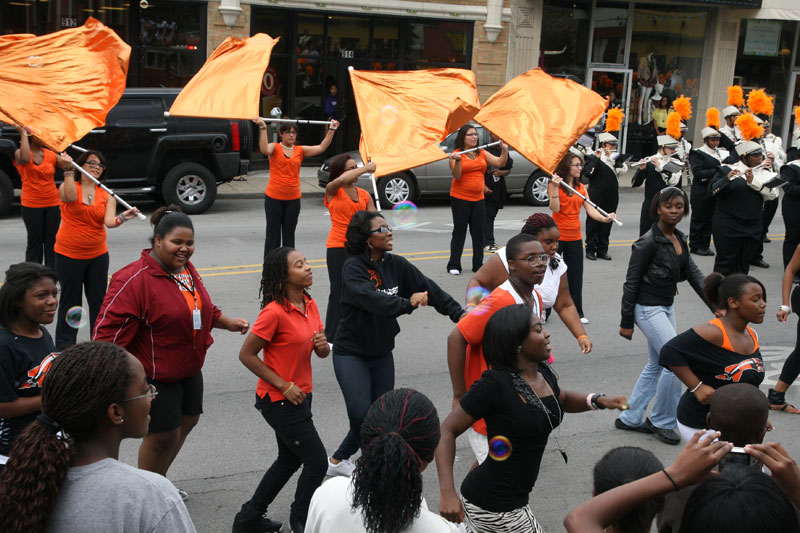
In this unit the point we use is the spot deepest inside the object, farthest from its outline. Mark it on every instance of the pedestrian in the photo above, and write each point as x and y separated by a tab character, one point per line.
400	434
494	495
706	162
287	331
721	351
467	193
342	198
81	248
158	309
791	367
659	260
790	206
603	175
377	287
64	473
495	182
655	174
28	300
282	195
39	201
659	115
566	207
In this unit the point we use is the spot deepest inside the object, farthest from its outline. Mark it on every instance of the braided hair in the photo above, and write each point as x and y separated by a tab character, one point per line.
275	277
398	438
536	223
83	381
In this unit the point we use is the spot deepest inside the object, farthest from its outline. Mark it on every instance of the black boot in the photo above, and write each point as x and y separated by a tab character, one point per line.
246	522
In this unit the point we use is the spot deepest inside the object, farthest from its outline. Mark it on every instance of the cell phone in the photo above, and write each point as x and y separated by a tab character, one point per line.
737	457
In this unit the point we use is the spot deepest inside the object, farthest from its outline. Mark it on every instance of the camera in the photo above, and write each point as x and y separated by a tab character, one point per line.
737	457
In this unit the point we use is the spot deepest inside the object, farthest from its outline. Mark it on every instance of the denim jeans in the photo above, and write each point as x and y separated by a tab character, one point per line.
658	325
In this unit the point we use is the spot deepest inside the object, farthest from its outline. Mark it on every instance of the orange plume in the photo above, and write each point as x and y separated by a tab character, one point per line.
759	102
735	96
614	119
750	129
683	106
674	125
712	117
797	116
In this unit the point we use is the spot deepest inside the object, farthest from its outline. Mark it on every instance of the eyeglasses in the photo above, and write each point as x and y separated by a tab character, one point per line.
96	164
151	393
382	229
471	135
577	165
535	260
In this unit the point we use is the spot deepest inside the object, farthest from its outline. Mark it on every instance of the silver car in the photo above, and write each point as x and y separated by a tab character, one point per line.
434	178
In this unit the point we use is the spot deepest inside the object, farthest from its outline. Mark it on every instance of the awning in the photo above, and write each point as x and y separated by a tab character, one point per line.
772	10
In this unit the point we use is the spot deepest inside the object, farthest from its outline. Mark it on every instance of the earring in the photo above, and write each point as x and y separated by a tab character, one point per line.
519	349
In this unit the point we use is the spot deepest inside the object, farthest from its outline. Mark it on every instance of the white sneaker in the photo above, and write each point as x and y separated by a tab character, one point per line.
584	320
454	272
344	468
184	495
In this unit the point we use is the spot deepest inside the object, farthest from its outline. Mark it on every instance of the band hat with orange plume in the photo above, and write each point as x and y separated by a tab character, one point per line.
730	110
749	127
667	140
683	106
746	148
735	95
709	132
607	138
614	119
674	125
759	103
712	118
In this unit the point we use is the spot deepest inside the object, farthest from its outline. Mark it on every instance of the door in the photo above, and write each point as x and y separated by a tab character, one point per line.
615	84
790	131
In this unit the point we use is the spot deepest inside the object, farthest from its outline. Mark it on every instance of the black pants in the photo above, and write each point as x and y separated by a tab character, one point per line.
41	224
472	214
572	252
770	208
791	367
298	444
734	254
488	225
334	257
702	204
791	221
282	218
645	222
599	233
76	276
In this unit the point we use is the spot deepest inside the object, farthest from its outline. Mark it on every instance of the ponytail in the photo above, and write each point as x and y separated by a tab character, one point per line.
718	288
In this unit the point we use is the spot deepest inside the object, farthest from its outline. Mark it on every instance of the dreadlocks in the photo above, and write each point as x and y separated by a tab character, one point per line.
536	223
275	277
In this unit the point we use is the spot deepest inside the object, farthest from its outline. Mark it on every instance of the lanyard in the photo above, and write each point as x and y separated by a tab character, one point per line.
182	284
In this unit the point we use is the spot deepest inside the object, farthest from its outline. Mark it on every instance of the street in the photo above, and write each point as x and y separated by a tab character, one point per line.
226	455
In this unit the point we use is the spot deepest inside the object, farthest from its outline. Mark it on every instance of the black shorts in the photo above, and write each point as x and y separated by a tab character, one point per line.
174	401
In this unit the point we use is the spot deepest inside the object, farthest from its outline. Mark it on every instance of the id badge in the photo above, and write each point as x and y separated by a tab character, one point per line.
197	323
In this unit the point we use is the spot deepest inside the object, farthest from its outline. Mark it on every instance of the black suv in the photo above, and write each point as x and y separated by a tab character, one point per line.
179	160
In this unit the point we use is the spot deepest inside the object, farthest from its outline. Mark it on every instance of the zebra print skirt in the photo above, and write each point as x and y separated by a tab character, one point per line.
477	520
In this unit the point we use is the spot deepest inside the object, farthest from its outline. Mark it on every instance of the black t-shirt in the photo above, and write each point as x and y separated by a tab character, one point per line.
501	486
714	365
23	362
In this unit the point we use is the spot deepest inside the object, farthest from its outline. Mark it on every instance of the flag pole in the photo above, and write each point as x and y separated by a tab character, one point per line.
286	120
372	175
591	203
477	148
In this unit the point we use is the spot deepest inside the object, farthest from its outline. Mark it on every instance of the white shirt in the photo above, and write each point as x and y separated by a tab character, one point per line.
760	177
719	154
548	288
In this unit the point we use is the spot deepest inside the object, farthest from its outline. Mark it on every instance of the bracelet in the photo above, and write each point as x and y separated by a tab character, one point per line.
672	480
589	403
695	388
262	127
121	219
583	337
291	384
786	308
596	405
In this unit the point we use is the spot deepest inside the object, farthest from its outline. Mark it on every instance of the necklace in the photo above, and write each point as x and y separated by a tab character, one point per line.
532	399
290	148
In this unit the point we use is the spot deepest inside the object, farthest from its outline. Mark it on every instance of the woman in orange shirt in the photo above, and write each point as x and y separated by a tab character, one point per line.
342	198
282	195
466	196
81	248
566	208
37	166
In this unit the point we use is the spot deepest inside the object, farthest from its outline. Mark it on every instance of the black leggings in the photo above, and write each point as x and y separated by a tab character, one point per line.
334	257
572	252
282	218
75	276
472	214
41	223
791	367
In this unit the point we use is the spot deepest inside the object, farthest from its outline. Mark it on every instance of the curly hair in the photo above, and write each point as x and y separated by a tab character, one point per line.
398	438
536	223
275	277
83	381
166	218
358	231
19	278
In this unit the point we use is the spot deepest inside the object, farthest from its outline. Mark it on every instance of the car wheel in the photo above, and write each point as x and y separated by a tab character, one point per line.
190	186
535	191
6	193
396	188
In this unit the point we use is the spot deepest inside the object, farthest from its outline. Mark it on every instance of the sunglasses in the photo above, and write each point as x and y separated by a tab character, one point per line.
382	229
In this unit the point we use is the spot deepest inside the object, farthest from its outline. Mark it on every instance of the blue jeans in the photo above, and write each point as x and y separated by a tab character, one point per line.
658	325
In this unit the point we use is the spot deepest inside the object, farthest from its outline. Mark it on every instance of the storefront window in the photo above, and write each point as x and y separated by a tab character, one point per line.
57	15
565	39
610	30
275	24
385	39
17	17
348	37
310	31
436	42
172	44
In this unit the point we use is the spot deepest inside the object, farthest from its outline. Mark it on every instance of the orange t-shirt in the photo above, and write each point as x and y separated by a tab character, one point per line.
38	187
568	218
190	293
342	208
289	345
284	174
82	234
470	185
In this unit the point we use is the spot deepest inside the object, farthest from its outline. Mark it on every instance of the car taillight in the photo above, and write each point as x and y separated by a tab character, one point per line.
235	136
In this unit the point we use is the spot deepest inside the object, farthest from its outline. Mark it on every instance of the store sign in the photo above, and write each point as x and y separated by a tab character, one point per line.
750	4
762	37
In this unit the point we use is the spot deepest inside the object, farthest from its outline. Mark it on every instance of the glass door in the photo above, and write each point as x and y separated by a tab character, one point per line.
614	84
790	132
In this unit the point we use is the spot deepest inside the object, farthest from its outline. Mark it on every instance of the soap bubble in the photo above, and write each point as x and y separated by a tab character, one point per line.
499	448
144	4
476	294
404	214
77	317
389	114
35	61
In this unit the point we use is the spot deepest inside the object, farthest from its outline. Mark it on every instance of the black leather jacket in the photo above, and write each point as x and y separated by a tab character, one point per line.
654	263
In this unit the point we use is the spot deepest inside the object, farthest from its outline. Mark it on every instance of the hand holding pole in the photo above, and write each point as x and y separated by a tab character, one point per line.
591	203
476	148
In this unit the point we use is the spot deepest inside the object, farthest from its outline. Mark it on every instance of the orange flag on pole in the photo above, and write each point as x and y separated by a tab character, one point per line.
62	85
541	116
404	115
229	84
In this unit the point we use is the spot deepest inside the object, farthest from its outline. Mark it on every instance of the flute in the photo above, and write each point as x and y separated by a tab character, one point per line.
739	173
650	159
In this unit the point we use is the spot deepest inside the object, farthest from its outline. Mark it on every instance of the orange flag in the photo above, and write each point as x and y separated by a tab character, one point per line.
404	115
62	85
541	116
229	84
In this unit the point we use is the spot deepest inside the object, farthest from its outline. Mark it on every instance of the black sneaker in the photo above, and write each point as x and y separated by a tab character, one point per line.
619	424
242	523
667	436
298	526
591	256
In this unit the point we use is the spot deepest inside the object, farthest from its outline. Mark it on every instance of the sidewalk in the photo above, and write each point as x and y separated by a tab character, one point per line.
257	182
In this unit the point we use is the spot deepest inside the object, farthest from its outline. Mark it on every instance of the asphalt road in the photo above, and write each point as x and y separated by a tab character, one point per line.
227	453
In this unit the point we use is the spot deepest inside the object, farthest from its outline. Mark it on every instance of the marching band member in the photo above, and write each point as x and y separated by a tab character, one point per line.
604	191
682	151
706	162
773	147
740	193
654	176
730	133
790	207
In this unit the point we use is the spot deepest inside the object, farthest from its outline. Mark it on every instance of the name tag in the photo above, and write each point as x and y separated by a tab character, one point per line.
197	323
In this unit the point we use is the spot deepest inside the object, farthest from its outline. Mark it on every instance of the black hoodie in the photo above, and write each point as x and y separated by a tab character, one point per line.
374	294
